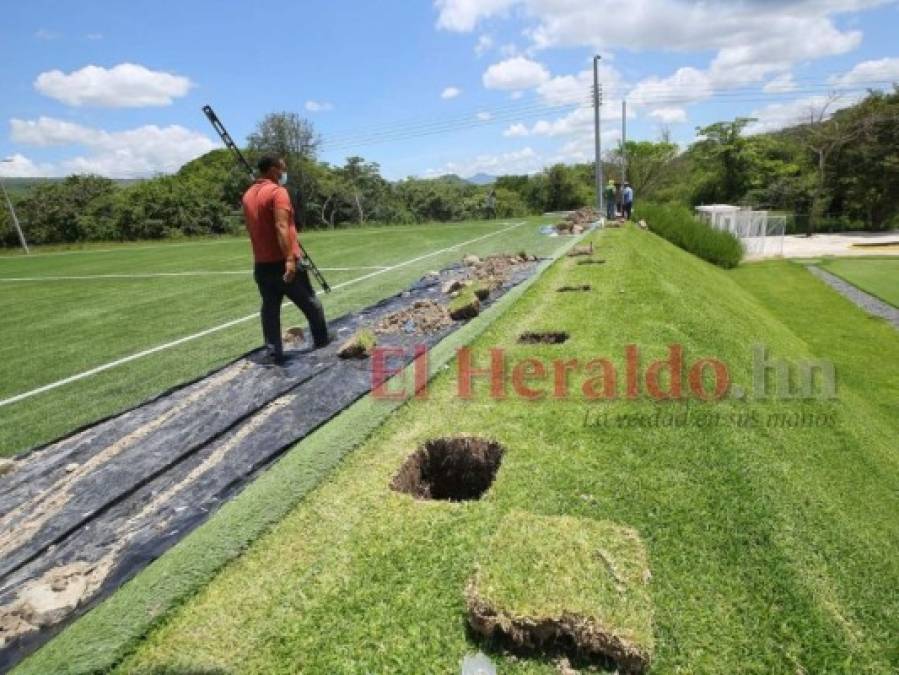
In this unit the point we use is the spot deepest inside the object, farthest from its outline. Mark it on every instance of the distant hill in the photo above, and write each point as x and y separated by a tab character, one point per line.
481	179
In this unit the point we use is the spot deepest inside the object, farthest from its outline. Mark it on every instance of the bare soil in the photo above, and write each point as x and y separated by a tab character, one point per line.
543	337
582	249
424	316
567	634
452	469
575	289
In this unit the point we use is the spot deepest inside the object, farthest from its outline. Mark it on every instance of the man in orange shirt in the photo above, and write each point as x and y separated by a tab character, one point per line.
268	213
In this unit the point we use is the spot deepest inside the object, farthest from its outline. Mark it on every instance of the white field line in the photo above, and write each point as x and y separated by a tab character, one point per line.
154	275
315	234
229	324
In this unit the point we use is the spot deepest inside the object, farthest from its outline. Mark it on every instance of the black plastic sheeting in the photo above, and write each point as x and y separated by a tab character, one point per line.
82	515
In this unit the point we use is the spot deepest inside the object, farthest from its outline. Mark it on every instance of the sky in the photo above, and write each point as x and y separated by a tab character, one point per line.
422	87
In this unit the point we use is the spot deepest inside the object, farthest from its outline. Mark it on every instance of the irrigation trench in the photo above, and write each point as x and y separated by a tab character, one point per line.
83	514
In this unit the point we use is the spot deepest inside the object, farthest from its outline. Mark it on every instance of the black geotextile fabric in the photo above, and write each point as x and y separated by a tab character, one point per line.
98	506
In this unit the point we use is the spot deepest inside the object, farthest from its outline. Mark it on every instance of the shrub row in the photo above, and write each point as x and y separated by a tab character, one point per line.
678	225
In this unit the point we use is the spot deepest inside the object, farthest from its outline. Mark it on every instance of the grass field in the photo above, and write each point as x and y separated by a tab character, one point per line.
773	548
877	276
67	312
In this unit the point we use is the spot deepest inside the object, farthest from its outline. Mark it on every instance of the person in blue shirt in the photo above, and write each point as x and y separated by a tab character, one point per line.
627	200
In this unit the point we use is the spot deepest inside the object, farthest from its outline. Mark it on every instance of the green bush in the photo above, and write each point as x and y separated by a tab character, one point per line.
678	225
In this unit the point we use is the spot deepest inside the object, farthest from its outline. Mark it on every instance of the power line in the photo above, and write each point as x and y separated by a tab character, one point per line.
388	132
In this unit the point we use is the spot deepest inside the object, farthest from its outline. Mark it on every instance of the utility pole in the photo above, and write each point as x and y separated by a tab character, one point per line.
597	102
12	212
623	142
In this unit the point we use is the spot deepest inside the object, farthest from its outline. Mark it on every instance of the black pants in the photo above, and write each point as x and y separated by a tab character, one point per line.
628	210
270	280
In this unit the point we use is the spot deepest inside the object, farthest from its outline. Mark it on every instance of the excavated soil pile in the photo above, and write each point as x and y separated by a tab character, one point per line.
496	269
583	249
83	514
578	221
543	337
423	317
452	469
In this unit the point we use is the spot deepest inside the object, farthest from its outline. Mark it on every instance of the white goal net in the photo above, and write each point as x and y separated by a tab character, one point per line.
760	232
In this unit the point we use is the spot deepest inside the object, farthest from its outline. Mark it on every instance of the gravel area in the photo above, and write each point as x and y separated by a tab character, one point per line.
864	300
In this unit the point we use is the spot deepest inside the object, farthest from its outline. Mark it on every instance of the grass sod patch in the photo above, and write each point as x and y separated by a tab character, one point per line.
773	549
104	636
568	584
877	276
53	330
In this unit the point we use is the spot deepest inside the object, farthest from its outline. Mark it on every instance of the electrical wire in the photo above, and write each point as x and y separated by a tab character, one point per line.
531	110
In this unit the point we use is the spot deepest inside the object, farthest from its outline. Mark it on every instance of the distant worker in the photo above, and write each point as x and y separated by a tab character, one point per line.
279	263
609	195
490	205
627	200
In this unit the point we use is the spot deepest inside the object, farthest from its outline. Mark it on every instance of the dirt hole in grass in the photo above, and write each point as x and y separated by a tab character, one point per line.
592	261
575	289
546	337
453	469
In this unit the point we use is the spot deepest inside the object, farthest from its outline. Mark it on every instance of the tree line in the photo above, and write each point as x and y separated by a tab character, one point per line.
838	171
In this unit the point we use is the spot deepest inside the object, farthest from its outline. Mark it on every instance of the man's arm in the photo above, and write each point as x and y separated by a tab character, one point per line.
282	227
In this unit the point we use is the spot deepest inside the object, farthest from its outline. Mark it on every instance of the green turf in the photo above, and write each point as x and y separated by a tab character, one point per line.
100	639
877	276
588	578
773	549
56	329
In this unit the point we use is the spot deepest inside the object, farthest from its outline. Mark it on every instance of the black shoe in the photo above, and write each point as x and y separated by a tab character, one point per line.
331	337
272	358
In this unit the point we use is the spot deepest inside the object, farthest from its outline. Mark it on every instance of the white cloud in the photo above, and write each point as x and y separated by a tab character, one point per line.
516	130
675	25
686	85
508	50
136	152
564	89
521	161
22	167
484	116
464	15
780	115
781	84
580	119
669	115
485	42
94	36
752	40
450	92
126	85
515	74
870	73
44	34
319	106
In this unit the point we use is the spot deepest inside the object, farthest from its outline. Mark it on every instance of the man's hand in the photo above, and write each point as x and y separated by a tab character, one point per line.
290	270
